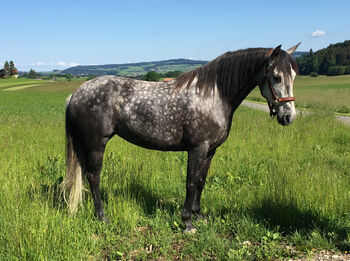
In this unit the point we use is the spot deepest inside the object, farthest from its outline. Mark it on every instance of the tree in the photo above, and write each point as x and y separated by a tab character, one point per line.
32	74
172	74
91	76
13	69
311	53
327	60
6	69
69	77
151	76
347	70
336	70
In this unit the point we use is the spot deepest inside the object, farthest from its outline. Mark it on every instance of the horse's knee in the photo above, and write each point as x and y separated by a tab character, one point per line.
191	186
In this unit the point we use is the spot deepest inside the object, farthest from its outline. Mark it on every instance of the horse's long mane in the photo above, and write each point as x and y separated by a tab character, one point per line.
232	70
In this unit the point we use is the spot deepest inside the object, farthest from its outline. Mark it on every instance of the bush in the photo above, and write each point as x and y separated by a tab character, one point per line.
336	70
151	76
313	74
90	77
69	77
347	70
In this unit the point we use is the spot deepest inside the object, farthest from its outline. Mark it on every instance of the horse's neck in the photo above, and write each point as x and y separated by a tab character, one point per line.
245	89
239	98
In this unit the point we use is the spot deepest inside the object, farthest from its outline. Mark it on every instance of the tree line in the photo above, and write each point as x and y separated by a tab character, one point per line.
9	70
155	77
333	60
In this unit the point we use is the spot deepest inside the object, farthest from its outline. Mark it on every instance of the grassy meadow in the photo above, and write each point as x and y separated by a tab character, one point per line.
272	192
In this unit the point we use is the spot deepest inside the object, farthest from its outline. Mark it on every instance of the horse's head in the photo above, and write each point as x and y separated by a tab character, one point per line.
277	85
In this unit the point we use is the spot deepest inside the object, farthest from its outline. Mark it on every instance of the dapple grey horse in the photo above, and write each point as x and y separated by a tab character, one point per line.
193	113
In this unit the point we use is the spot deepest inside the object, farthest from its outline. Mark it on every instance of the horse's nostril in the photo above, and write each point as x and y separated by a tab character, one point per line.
287	118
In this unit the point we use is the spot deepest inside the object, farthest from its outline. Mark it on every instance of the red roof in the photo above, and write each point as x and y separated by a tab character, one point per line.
167	79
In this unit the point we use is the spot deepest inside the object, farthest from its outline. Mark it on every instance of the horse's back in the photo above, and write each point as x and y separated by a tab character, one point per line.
149	114
152	115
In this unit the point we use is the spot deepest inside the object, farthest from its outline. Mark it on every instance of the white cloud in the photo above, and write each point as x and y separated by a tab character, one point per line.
62	63
318	33
72	64
40	63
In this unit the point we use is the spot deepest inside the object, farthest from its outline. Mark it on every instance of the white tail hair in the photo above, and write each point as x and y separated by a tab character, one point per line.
73	182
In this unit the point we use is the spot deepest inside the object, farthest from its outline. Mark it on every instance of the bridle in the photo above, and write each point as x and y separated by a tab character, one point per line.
276	100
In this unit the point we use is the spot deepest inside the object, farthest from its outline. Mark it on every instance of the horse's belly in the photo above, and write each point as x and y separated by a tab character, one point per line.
152	135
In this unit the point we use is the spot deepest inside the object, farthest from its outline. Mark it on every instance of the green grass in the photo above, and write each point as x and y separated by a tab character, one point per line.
323	92
268	187
25	84
67	86
18	83
75	79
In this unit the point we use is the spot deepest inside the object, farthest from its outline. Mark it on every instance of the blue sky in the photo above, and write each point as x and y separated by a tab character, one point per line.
46	35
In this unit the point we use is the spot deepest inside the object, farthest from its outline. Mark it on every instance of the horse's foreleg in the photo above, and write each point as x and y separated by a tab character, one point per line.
196	158
197	202
94	165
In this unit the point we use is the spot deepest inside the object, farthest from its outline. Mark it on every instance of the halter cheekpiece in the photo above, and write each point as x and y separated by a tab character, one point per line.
267	80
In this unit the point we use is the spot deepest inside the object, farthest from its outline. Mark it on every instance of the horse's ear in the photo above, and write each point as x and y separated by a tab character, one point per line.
276	52
273	53
291	50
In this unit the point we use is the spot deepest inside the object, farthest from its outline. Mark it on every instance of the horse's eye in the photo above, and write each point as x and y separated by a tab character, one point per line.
277	79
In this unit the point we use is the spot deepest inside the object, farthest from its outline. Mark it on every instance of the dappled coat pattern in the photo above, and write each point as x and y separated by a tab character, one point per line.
192	113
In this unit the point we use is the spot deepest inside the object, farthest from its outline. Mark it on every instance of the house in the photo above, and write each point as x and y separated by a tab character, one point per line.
168	79
15	73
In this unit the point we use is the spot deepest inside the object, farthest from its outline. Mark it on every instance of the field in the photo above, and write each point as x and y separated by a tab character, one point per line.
323	92
272	192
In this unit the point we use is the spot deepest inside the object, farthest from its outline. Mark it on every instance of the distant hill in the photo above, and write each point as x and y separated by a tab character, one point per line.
299	54
134	69
137	69
333	60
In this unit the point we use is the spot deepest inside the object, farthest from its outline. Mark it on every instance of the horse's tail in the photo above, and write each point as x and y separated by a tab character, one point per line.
75	162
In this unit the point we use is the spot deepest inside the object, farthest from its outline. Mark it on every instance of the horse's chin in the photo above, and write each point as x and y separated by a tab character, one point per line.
285	115
285	118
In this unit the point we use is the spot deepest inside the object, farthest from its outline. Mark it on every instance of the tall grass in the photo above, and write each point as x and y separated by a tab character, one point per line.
268	187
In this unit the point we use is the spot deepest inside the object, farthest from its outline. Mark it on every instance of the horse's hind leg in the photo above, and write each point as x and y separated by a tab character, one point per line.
197	202
93	170
196	158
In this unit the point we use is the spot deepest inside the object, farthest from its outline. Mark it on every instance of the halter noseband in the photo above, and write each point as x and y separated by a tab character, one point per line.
267	80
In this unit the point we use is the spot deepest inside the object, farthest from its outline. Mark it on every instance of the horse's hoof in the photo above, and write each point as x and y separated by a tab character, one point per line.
202	218
104	219
190	230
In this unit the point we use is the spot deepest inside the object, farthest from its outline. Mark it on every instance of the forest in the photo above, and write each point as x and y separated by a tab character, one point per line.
333	60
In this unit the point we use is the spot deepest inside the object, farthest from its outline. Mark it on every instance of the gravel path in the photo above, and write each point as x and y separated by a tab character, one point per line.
264	107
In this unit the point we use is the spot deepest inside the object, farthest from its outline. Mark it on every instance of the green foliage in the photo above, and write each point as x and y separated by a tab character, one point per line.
7	70
347	70
336	70
32	74
172	74
90	77
151	76
69	77
13	69
324	60
313	74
